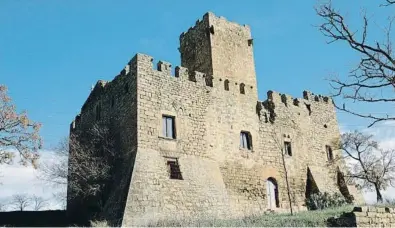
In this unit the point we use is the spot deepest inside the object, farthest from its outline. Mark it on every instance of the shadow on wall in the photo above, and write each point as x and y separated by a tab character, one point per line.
33	218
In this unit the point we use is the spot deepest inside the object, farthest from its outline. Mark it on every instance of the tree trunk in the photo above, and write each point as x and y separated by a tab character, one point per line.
378	194
286	180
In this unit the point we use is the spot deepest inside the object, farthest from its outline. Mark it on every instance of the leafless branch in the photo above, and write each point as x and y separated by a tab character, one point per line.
371	167
388	2
39	202
375	72
20	202
83	162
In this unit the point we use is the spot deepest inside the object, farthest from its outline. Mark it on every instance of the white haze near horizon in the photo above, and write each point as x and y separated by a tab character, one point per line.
18	179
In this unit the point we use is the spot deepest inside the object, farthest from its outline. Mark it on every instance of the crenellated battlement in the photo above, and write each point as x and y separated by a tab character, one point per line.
204	46
274	99
146	63
142	64
207	22
199	23
96	92
308	97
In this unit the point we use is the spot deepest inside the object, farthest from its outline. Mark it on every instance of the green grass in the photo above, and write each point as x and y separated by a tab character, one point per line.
301	219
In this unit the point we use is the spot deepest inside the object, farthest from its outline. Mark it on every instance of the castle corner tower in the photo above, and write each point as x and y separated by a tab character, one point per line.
220	48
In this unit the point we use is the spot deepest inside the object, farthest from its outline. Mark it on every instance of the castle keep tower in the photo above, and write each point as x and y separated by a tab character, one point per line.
215	46
200	144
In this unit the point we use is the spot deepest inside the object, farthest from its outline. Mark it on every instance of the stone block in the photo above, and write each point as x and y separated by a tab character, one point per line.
360	214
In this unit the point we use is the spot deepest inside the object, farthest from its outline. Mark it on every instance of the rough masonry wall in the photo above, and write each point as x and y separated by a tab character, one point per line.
220	178
374	216
232	50
367	216
152	194
215	46
309	130
195	48
116	103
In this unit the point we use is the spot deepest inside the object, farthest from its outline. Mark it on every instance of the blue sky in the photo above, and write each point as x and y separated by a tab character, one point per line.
51	52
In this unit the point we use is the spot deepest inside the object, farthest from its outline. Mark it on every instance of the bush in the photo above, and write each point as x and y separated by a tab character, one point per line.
99	223
319	201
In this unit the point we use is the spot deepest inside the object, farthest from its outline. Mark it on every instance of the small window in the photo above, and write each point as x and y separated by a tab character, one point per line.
174	169
329	153
245	140
126	88
98	112
226	85
168	130
242	89
288	148
209	80
112	102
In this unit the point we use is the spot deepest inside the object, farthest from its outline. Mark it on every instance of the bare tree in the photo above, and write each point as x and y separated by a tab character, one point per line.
38	202
61	198
18	132
371	167
83	163
3	206
20	201
54	170
374	75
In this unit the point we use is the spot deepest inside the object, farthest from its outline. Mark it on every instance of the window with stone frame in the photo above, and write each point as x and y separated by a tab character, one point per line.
98	112
168	127
112	101
126	88
242	88
245	140
329	153
226	85
288	148
174	169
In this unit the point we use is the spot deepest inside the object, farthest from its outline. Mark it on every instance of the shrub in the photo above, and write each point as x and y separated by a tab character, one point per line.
319	201
98	223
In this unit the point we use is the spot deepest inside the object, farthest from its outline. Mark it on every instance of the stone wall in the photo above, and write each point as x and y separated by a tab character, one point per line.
367	216
220	178
112	105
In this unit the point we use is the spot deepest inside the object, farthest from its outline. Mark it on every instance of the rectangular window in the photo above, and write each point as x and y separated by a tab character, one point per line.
174	169
98	112
245	140
168	127
329	153
288	148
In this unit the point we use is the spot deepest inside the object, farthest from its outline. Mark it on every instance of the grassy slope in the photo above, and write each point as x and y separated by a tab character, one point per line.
301	219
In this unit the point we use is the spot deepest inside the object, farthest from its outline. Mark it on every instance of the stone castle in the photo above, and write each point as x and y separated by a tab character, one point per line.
201	144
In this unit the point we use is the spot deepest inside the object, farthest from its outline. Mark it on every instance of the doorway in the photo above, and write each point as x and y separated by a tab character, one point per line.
272	193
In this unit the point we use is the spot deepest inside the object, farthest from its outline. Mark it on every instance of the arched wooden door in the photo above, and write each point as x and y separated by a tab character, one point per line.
272	193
